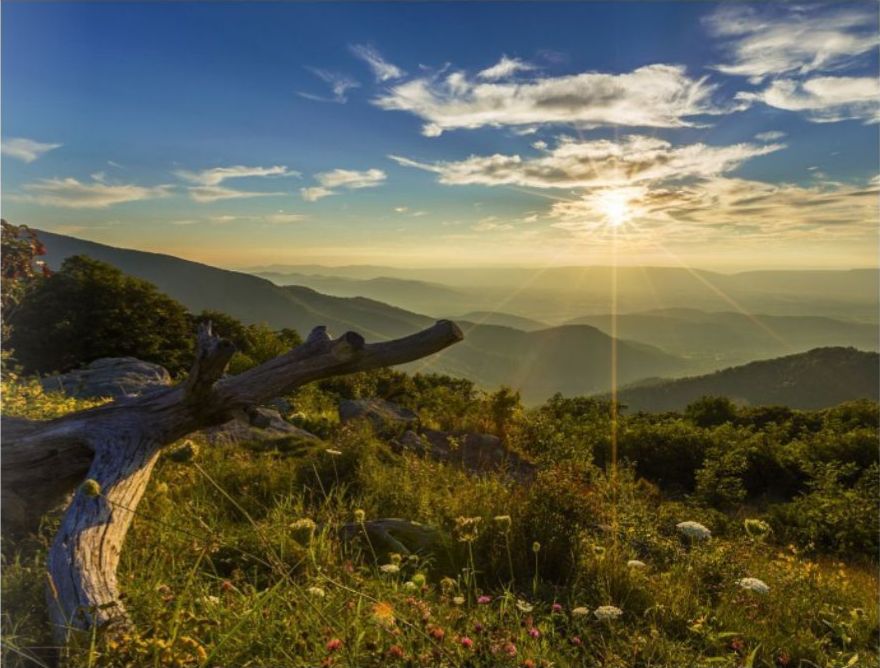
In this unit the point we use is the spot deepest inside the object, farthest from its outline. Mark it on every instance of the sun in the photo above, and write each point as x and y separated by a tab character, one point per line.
615	206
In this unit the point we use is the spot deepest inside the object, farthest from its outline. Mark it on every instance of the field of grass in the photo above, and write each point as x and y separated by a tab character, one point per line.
251	555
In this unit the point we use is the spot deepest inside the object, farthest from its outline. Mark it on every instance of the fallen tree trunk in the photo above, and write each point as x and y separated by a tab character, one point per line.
114	447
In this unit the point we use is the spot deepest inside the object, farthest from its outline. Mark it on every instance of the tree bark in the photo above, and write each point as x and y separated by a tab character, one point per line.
117	445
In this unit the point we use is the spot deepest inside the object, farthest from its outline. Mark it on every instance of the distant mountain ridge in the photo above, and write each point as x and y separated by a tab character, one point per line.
572	359
815	379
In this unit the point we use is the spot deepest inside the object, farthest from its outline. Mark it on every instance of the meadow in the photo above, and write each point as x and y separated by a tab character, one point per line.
722	537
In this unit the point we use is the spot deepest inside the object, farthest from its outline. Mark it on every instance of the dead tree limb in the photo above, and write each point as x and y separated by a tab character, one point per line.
118	444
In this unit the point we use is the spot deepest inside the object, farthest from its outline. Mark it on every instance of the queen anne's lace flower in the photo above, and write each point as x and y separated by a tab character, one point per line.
389	568
580	612
607	613
317	592
754	584
635	563
694	530
523	606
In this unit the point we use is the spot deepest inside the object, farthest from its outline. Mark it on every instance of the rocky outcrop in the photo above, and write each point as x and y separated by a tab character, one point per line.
111	377
385	416
260	425
477	453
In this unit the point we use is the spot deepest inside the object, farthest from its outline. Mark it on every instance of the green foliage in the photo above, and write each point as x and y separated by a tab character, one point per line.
88	310
254	344
711	411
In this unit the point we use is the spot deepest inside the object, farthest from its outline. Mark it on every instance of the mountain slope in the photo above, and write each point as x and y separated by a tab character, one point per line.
732	338
814	379
502	319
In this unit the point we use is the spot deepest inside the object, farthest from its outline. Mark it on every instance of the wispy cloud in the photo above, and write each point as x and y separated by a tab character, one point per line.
779	39
382	69
339	84
596	164
209	188
824	99
330	182
27	150
504	68
771	135
650	96
73	194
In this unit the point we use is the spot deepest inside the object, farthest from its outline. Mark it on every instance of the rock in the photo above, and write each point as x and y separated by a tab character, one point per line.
260	425
477	453
113	377
383	415
281	405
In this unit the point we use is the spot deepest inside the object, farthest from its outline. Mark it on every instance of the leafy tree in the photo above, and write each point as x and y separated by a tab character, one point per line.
711	411
21	266
89	309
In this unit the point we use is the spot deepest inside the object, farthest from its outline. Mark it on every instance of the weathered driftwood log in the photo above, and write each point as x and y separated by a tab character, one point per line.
117	445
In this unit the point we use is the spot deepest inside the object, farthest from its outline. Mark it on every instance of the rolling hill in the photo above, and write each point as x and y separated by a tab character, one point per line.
710	339
815	379
571	359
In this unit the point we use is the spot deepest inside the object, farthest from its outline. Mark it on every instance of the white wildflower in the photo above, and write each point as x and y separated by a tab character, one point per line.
580	612
317	592
636	564
754	584
607	613
409	585
694	530
332	452
389	568
523	606
458	600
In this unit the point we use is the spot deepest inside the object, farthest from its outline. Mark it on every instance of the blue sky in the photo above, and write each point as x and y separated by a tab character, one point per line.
718	135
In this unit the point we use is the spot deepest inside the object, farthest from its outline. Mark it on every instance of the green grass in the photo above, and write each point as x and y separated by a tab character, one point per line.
219	570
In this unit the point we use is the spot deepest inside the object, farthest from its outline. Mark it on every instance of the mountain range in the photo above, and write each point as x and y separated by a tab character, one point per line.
500	348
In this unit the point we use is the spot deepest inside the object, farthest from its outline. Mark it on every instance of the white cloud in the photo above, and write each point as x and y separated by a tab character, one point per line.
713	208
351	179
596	164
339	84
72	194
505	68
282	218
205	194
382	69
315	193
651	96
217	175
771	135
824	99
785	38
491	224
209	188
27	150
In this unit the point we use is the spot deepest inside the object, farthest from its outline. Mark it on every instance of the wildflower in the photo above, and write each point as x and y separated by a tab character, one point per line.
419	579
383	613
528	663
213	600
317	592
607	613
389	568
756	528
467	528
754	584
458	600
580	612
694	530
395	558
509	649
448	585
523	606
483	600
333	453
598	550
226	585
436	632
478	628
304	524
333	644
536	547
162	488
359	516
783	659
575	640
636	564
556	607
503	521
466	642
409	585
534	633
91	487
395	652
